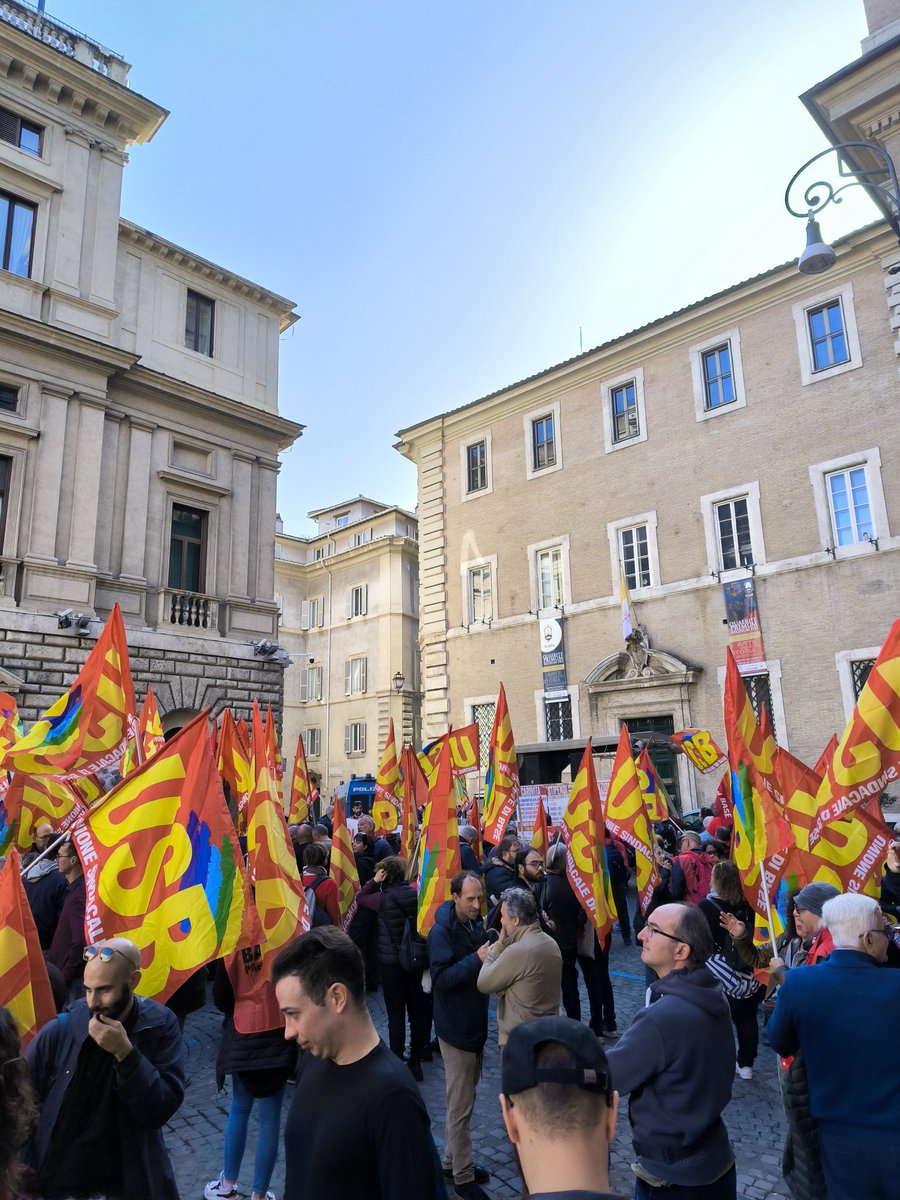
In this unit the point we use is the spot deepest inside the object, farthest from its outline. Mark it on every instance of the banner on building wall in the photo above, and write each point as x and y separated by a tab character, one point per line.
555	797
553	659
745	638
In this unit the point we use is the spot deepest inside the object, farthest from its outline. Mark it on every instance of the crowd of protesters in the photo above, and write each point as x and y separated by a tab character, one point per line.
85	1116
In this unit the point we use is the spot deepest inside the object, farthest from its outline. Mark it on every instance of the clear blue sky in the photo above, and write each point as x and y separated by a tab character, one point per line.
450	189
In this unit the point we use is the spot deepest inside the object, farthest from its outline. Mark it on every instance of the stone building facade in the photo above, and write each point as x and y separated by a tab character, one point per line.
750	439
139	426
348	601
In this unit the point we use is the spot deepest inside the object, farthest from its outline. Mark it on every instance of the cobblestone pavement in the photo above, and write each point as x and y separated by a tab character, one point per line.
195	1137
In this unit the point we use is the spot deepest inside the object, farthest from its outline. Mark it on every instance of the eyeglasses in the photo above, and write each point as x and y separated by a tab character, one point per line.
105	953
535	862
651	929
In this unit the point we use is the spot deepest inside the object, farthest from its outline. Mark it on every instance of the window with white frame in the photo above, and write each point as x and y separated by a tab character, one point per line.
355	676
358	600
342	519
634	555
360	538
312	612
853	668
320	552
849	498
480	594
717	375
764	690
550	584
310	684
623	411
483	716
312	741
733	528
759	689
543	442
558	720
827	337
355	737
476	466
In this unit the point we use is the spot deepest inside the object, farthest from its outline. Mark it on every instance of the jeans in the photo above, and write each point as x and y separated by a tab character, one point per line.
724	1188
744	1014
859	1162
269	1111
403	995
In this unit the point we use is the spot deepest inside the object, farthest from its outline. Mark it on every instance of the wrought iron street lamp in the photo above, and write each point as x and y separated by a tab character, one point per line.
879	180
398	681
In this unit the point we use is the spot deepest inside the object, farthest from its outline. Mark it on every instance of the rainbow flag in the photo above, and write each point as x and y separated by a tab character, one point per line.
585	838
627	820
162	865
501	788
439	857
88	727
299	811
386	806
149	735
656	800
343	865
24	983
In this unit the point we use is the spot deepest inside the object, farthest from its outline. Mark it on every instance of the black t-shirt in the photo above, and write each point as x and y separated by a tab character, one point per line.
359	1132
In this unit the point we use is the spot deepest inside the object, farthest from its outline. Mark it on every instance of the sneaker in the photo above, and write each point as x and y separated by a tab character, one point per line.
471	1191
482	1174
745	1072
215	1191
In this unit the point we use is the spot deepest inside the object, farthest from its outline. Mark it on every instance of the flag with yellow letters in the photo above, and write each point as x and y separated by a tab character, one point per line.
626	818
24	984
585	838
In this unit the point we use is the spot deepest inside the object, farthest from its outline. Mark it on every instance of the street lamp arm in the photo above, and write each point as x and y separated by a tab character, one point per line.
821	193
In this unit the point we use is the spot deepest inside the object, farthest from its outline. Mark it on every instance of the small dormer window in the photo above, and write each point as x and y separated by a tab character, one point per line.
198	323
342	519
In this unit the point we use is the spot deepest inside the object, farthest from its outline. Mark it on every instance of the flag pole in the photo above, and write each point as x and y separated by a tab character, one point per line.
768	909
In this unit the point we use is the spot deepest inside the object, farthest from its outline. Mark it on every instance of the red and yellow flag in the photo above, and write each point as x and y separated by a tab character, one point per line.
501	788
88	727
626	818
233	763
10	721
439	857
821	763
24	984
656	800
343	865
414	786
280	898
162	865
386	804
700	747
42	799
540	836
583	831
299	811
867	757
150	735
464	753
273	750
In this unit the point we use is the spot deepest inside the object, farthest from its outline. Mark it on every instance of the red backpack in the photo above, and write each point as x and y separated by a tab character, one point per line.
697	876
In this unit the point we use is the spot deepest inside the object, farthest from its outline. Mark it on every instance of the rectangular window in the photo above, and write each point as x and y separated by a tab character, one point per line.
354	676
624	411
828	339
635	556
312	741
342	520
733	529
558	714
483	716
476	467
316	612
320	552
481	598
759	689
859	670
357	600
718	381
543	445
198	323
9	398
19	132
355	737
550	577
360	539
187	549
16	234
851	515
310	684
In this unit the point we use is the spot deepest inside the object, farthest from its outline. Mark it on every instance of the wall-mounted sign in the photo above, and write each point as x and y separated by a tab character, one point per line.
553	659
744	631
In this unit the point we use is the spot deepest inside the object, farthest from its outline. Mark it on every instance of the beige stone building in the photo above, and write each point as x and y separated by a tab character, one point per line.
348	600
751	438
139	426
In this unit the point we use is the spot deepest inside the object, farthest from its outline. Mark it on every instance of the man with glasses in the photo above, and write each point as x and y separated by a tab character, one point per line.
843	1017
68	938
676	1063
45	884
108	1075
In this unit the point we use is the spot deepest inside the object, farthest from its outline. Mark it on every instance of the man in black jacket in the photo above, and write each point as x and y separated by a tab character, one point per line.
500	871
457	946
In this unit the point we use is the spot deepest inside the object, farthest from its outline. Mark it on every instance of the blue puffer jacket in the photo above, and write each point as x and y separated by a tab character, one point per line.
149	1090
460	1010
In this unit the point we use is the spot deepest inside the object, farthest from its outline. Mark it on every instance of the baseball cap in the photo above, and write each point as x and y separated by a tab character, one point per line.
520	1071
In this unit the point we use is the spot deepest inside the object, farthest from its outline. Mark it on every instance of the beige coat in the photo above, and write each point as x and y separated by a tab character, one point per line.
526	974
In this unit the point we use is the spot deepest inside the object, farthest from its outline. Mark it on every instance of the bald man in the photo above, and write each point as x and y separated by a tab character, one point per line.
108	1074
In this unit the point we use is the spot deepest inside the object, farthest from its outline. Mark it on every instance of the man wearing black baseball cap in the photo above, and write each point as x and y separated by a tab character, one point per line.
559	1109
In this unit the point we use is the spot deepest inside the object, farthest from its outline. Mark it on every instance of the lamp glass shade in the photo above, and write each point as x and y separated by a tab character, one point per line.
818	255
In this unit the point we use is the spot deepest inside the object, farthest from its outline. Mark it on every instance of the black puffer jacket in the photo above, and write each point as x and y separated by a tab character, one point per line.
497	878
395	904
268	1057
564	910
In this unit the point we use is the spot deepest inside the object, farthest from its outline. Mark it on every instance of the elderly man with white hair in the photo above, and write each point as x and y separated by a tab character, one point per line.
843	1017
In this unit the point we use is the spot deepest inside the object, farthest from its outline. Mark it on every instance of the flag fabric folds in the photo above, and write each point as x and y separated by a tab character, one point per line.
585	838
386	804
88	727
24	984
414	790
501	788
343	865
700	747
656	799
162	865
626	818
540	835
464	752
233	763
149	735
42	798
439	857
277	890
299	807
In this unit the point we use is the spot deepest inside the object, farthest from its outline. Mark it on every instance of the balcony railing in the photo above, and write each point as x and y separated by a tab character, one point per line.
190	609
63	38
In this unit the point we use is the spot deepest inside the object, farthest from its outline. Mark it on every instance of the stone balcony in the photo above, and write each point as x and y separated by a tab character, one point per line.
66	40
